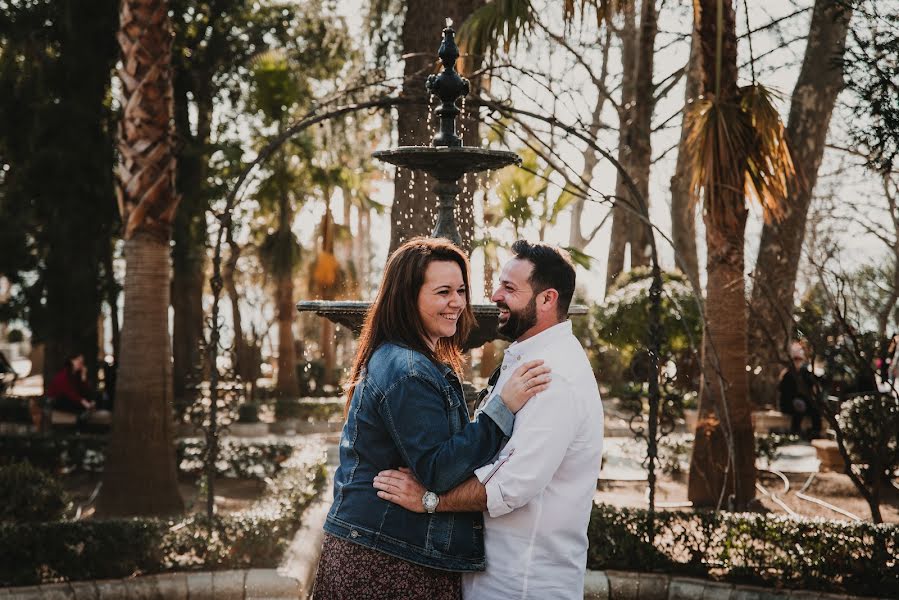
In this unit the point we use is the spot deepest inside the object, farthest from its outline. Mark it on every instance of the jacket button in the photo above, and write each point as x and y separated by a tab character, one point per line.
354	534
505	367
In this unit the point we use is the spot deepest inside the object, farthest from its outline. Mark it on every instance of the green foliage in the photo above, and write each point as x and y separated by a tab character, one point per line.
767	446
44	552
836	337
870	425
808	554
248	413
57	203
29	494
870	64
620	328
308	409
238	458
14	409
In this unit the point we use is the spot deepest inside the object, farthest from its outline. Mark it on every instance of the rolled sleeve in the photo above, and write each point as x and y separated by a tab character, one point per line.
544	430
501	415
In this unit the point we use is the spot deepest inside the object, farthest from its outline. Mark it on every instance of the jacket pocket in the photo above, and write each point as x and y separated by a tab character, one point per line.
440	532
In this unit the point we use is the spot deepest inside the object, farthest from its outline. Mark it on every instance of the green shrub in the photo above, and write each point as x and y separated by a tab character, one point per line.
811	554
33	553
870	425
87	453
29	494
15	409
309	409
248	413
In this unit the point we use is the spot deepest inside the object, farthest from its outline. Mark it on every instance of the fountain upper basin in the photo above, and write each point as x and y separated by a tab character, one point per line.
448	163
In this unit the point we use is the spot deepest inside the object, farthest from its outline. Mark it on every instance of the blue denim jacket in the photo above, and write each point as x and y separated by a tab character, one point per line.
409	411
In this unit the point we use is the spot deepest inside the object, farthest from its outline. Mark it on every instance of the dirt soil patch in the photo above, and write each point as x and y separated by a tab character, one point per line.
833	488
231	495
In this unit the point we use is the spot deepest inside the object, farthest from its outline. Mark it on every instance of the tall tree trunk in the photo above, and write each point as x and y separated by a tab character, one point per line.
634	149
576	237
722	466
287	385
140	477
244	366
188	279
190	232
414	210
683	213
774	282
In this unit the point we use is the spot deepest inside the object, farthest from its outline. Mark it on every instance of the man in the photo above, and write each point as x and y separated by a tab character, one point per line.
538	491
799	390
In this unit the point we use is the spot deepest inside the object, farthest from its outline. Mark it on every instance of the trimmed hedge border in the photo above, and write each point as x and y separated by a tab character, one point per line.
255	458
35	553
809	554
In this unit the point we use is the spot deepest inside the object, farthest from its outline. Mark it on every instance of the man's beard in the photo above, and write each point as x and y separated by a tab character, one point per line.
518	321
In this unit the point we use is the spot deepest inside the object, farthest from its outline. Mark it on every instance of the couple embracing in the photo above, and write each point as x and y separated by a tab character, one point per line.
433	505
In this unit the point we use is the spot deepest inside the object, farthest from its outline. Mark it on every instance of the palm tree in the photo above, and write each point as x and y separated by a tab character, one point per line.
140	477
738	151
277	91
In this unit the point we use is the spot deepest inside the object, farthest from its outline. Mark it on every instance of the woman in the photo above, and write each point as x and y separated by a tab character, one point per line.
405	408
70	388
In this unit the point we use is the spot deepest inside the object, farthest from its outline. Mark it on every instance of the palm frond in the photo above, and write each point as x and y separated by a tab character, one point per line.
769	165
497	24
738	147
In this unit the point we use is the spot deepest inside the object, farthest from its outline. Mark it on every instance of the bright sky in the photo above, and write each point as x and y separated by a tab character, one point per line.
776	68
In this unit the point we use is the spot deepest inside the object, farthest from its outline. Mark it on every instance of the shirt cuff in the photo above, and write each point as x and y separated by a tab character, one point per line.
501	415
496	504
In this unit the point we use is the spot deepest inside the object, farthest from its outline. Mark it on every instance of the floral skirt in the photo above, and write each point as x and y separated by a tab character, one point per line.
353	572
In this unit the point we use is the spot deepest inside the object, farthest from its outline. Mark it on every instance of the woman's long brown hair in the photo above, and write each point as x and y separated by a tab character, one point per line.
394	316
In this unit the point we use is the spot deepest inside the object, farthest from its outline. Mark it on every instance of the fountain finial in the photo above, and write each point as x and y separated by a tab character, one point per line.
449	86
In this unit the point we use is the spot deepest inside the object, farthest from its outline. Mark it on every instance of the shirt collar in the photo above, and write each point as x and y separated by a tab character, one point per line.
541	340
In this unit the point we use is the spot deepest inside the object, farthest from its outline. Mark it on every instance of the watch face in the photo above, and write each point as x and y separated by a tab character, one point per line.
430	501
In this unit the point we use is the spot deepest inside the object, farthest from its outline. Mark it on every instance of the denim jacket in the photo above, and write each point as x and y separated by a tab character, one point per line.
409	411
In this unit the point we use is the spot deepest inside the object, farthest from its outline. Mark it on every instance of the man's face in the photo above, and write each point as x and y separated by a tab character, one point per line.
516	299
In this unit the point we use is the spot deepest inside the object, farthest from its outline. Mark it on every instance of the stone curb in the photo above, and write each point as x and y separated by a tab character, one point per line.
633	585
243	584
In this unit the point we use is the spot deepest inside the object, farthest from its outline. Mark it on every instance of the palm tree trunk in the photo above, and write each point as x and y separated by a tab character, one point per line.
140	477
722	466
414	210
774	283
683	214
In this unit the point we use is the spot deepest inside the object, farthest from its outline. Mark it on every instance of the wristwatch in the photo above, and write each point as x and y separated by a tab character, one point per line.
430	501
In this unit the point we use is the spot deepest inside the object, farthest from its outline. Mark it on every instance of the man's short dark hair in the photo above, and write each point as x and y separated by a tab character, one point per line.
553	268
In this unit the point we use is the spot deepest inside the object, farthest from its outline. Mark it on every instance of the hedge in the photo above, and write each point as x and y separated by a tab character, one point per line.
34	553
238	458
809	554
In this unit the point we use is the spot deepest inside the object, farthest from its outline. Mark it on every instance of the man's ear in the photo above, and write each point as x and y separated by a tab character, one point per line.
549	300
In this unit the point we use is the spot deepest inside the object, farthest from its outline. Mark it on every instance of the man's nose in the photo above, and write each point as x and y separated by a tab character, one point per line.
497	296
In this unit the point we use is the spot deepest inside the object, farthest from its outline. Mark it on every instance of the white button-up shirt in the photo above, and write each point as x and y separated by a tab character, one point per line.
540	486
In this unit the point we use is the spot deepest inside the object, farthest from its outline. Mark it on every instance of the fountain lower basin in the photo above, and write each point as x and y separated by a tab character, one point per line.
351	314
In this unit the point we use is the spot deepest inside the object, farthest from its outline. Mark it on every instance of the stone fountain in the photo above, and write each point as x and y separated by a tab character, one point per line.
447	161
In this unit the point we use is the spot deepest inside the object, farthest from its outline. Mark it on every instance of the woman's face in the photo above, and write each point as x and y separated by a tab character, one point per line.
441	300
